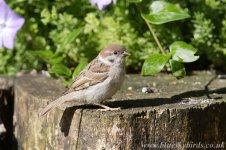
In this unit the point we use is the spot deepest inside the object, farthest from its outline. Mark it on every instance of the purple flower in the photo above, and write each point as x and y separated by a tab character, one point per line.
10	23
101	3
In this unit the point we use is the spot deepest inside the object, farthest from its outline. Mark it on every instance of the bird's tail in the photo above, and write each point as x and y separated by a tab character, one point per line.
55	103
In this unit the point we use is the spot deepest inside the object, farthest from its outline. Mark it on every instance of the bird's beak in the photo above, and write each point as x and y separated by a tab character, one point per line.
125	53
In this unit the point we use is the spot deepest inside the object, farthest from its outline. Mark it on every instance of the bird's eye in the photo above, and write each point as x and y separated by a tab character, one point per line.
115	52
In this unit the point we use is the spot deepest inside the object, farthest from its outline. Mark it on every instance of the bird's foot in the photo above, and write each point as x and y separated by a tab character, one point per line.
106	108
109	109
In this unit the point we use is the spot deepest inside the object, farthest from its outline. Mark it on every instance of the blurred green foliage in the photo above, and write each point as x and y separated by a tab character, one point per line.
49	26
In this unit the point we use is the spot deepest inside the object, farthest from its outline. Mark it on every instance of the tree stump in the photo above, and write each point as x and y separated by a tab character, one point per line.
175	114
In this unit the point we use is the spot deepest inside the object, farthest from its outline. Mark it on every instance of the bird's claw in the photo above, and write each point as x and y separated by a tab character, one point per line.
108	109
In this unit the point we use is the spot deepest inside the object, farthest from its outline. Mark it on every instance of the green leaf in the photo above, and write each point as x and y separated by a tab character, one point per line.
134	1
60	70
55	60
47	56
154	64
43	54
177	68
45	16
162	12
82	64
183	52
70	38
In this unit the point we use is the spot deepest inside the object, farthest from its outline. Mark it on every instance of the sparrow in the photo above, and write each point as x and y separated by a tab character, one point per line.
99	81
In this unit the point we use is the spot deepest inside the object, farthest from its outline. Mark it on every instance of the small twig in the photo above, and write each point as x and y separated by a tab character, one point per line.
155	37
153	33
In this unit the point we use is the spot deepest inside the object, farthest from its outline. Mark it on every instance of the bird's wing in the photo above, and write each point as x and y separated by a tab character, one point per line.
93	74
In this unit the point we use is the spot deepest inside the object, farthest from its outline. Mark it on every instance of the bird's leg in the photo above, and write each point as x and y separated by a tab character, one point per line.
106	108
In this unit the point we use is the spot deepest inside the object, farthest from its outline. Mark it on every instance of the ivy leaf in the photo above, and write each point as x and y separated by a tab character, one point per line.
82	64
183	52
60	70
154	64
178	68
162	12
70	38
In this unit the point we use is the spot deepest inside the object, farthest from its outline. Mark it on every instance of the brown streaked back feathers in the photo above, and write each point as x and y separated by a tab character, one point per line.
91	75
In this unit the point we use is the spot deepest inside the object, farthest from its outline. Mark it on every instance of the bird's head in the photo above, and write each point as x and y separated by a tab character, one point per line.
113	54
